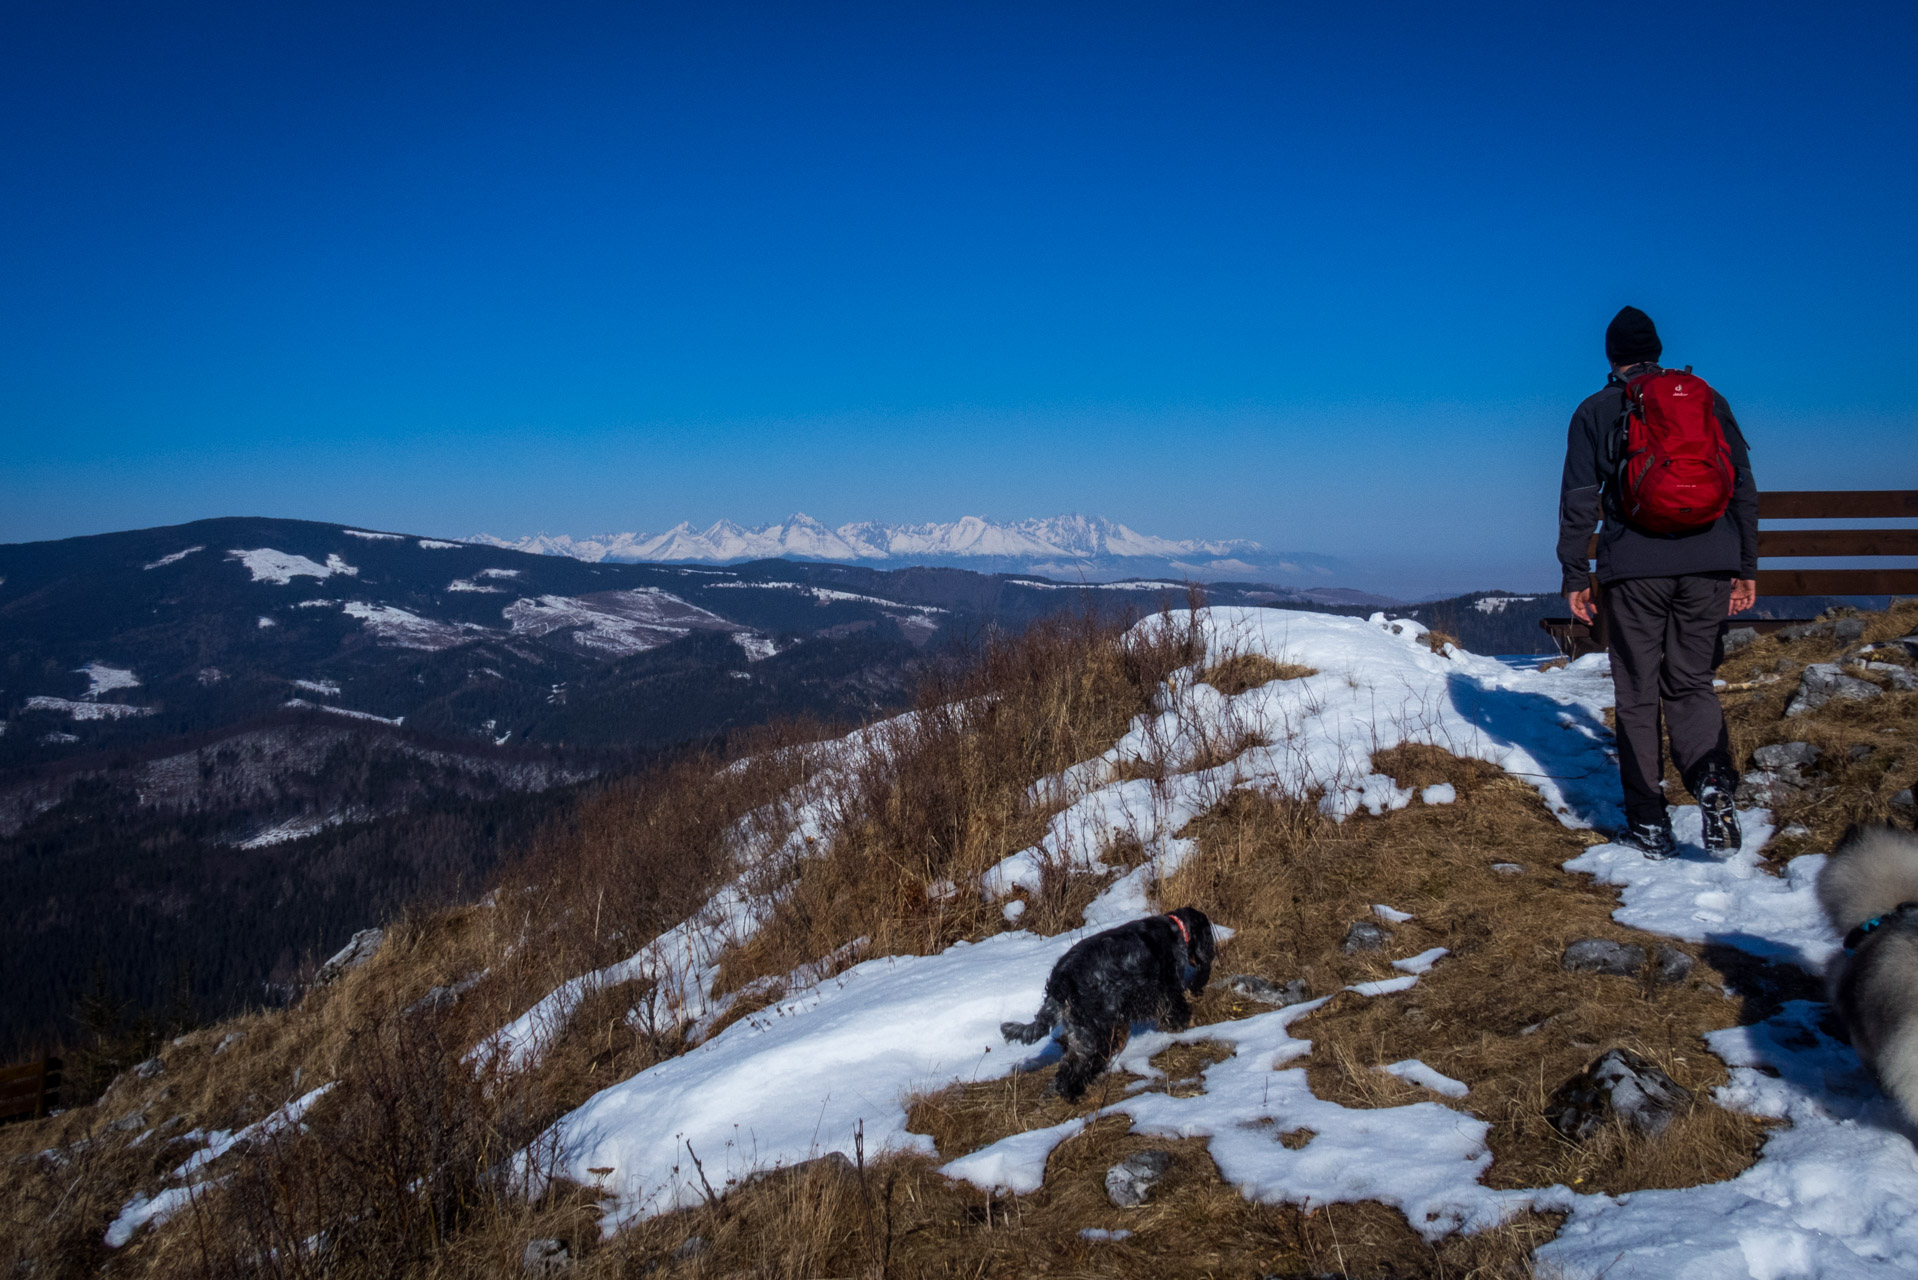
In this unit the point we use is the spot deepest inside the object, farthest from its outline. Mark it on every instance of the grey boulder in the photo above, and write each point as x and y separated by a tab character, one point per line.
1365	936
1674	966
1740	638
1601	955
1823	682
545	1257
364	946
1785	755
1130	1183
1253	987
1619	1085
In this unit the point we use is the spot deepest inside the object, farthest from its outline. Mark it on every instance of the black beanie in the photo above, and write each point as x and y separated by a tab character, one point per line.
1631	338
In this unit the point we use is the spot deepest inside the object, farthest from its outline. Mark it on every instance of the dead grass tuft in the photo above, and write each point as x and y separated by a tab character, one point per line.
1236	674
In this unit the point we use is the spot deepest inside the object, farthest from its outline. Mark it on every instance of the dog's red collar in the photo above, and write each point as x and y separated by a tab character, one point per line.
1183	931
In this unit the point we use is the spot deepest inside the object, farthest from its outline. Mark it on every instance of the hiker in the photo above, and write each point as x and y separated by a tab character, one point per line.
1659	456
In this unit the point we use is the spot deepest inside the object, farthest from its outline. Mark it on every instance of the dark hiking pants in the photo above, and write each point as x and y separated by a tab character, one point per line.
1664	633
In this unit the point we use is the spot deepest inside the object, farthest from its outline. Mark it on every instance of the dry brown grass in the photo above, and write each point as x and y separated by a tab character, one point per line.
1885	730
1240	672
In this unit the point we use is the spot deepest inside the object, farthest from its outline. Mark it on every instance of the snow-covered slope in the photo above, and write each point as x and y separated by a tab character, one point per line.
1828	1197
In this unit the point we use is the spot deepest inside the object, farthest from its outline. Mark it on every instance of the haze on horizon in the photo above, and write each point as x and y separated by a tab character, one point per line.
1332	281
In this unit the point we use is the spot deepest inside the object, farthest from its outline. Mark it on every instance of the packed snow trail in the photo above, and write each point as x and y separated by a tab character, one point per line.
1829	1196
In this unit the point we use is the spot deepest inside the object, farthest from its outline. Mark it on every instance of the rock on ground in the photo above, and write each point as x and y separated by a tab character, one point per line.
364	946
1365	936
1130	1182
1601	955
1253	987
1785	755
1674	966
545	1257
1823	682
1619	1085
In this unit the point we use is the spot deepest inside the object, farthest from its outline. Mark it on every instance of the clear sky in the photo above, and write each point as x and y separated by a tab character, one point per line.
1332	277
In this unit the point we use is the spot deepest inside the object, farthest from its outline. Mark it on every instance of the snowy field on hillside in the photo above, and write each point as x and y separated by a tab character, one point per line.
1829	1196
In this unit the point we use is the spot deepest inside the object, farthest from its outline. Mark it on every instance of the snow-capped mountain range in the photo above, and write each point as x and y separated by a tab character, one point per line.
1074	545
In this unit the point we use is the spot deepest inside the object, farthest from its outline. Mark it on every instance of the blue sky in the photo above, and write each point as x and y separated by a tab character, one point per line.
1331	280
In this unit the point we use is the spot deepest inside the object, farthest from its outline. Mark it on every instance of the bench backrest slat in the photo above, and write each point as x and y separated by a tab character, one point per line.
1838	504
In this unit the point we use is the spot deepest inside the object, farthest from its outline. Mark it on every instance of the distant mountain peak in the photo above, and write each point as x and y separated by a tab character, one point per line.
1066	544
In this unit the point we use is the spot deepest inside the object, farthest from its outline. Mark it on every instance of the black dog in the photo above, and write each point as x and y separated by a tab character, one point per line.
1134	973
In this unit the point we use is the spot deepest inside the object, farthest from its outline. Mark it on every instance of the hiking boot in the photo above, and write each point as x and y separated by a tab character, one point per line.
1653	839
1716	793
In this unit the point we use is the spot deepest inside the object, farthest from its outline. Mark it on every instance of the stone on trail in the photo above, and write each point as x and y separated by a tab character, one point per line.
1824	682
1130	1182
1785	755
1807	630
1601	955
1738	638
1620	1084
1253	987
1365	936
1674	966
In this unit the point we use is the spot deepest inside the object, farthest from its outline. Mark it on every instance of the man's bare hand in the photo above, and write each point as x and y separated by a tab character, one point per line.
1744	594
1581	603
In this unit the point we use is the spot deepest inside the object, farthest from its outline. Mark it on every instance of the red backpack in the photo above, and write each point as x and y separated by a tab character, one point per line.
1675	474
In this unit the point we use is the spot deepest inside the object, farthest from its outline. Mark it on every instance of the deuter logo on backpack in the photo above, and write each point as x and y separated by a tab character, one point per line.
1675	475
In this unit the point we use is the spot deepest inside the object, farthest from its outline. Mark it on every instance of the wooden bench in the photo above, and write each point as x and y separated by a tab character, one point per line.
1575	639
29	1091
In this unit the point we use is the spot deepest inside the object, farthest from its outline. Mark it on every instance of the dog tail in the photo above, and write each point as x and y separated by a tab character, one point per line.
1036	1030
1873	869
1896	1066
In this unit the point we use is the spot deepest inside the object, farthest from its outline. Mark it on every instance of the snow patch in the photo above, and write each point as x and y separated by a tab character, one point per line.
302	703
297	829
467	584
406	630
86	710
280	567
325	688
164	561
615	622
756	646
104	679
435	544
1415	1072
370	536
1498	604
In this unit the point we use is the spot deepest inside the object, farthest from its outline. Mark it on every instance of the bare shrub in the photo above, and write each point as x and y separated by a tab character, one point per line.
954	792
413	1146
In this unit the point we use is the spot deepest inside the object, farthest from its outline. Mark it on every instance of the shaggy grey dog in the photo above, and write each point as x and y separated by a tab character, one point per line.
1869	891
1137	972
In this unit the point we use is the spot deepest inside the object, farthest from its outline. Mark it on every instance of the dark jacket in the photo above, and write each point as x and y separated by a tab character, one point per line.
1730	545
